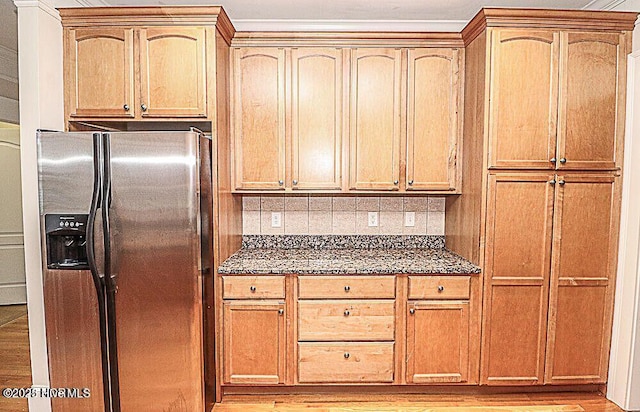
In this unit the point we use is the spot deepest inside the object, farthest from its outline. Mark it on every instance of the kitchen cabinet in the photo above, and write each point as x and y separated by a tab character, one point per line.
254	342
582	278
258	118
517	271
317	95
433	119
164	52
99	72
374	119
438	341
542	113
102	65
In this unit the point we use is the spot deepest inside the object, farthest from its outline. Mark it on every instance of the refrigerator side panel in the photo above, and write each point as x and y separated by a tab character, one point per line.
156	258
65	167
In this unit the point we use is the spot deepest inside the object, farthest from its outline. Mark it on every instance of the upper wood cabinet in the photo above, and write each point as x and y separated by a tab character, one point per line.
556	99
374	119
317	96
173	72
258	121
524	97
99	72
433	119
169	63
591	100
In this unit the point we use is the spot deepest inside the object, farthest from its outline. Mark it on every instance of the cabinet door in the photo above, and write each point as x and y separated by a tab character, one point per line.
438	342
517	266
173	72
523	99
99	72
374	119
316	118
254	342
592	100
258	118
432	115
583	277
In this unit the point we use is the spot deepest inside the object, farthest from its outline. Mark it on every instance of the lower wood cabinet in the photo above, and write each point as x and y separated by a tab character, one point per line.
254	342
438	342
345	362
350	329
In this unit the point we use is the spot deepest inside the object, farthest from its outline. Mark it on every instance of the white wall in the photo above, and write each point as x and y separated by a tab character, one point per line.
41	106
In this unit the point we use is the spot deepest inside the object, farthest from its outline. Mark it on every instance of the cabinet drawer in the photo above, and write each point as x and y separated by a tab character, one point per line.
439	287
346	287
344	320
345	362
253	287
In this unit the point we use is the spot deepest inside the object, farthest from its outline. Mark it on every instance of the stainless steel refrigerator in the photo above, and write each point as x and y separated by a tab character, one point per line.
126	246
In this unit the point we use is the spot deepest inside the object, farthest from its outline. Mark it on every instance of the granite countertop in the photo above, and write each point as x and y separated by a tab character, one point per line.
350	257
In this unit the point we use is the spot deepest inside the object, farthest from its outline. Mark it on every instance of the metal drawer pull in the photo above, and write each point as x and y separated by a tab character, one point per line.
552	182
143	107
346	355
440	288
280	311
412	311
563	160
561	182
252	288
126	107
280	182
347	288
395	182
347	313
553	160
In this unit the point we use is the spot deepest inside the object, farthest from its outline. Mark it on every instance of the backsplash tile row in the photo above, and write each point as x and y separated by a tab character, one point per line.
342	215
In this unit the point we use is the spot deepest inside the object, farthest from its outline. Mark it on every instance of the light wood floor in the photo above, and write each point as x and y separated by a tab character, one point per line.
15	366
547	402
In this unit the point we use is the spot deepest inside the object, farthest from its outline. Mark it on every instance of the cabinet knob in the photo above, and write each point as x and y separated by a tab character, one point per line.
561	182
395	182
347	288
280	182
281	312
295	182
552	181
563	160
347	313
346	355
410	182
553	160
412	311
126	107
143	107
440	288
252	288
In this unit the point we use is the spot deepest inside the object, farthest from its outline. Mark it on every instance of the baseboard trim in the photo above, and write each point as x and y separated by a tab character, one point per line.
13	294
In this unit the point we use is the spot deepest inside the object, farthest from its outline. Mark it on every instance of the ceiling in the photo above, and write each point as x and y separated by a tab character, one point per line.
387	15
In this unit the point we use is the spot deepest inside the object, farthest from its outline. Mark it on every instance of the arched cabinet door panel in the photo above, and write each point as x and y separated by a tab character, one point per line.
523	99
99	71
173	72
592	100
258	120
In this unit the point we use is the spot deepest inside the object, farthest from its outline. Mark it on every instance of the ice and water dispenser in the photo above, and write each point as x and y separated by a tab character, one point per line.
66	241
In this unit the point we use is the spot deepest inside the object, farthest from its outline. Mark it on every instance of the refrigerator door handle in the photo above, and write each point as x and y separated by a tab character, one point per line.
98	278
109	276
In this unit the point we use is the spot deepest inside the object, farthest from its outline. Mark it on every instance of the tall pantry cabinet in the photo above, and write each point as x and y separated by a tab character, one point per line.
542	142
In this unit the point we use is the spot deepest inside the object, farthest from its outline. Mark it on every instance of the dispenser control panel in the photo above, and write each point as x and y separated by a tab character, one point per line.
66	236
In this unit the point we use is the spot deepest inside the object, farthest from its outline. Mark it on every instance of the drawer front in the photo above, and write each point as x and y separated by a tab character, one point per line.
345	362
347	287
253	287
439	287
346	320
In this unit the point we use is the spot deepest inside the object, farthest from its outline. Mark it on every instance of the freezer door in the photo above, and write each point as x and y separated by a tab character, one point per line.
154	218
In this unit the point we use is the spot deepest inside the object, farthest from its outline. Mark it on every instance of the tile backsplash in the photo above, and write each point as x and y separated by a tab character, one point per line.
342	215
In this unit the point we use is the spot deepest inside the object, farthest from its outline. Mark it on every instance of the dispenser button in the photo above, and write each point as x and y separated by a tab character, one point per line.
66	224
77	224
61	223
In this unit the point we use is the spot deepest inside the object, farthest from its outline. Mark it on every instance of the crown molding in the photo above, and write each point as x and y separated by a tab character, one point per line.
293	25
8	65
603	4
43	5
